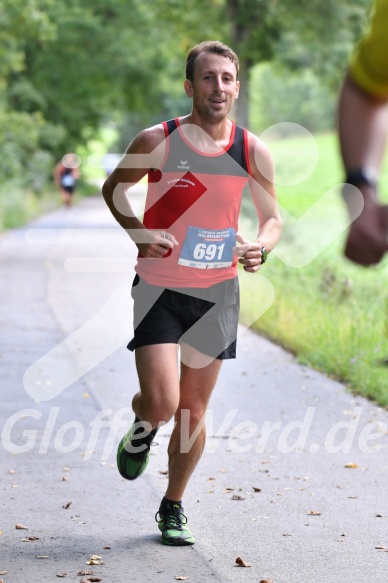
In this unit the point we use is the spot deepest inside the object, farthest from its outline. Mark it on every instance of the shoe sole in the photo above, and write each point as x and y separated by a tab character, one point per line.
122	464
178	543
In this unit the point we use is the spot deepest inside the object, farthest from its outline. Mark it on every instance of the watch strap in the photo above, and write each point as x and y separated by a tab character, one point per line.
361	175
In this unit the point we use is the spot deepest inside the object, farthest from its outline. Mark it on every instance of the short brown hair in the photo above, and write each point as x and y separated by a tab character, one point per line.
209	46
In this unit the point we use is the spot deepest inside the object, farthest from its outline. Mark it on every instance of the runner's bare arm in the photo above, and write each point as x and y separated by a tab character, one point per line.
264	198
145	152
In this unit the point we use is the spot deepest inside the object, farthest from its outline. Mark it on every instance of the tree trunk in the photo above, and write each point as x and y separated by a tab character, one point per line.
239	33
241	107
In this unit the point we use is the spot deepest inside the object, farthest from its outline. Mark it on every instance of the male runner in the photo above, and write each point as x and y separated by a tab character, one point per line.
186	288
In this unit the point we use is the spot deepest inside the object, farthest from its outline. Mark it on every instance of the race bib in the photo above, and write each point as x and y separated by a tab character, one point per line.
207	249
68	180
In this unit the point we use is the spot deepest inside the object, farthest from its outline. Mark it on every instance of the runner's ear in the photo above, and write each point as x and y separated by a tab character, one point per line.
237	90
188	88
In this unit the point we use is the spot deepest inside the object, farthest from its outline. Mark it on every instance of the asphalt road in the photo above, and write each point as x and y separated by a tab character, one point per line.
293	479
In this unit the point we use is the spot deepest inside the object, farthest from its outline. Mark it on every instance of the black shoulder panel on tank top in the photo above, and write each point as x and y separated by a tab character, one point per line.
237	149
171	126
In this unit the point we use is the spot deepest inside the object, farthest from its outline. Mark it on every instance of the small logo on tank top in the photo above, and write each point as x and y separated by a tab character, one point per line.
183	165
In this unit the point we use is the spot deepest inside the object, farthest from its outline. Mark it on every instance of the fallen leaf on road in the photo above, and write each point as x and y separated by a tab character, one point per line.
21	527
351	465
107	547
64	479
94	579
241	563
256	489
314	513
380	548
163	472
3	572
181	577
287	534
65	469
237	497
61	574
29	538
266	581
95	560
378	515
85	572
11	472
67	505
42	557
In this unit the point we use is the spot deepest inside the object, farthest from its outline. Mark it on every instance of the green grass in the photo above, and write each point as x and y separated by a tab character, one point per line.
331	313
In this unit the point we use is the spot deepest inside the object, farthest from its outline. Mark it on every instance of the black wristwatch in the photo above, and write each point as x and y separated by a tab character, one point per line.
361	175
264	255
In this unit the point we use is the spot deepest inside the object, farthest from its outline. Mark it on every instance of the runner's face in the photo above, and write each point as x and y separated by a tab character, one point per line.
215	86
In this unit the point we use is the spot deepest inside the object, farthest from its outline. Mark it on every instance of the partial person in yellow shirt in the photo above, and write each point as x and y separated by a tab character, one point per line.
363	128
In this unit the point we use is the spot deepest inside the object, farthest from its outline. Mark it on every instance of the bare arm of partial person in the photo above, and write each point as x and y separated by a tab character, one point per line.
263	195
144	152
363	127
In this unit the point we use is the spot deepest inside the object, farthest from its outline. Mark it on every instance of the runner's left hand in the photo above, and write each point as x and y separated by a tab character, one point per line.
249	253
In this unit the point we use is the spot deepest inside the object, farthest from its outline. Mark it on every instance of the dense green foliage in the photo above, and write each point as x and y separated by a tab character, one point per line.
68	68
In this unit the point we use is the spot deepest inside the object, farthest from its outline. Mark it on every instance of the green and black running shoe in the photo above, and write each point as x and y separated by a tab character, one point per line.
172	523
133	453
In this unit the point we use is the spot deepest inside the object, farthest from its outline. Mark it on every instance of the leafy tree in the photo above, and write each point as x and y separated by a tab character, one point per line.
304	34
65	68
21	155
68	66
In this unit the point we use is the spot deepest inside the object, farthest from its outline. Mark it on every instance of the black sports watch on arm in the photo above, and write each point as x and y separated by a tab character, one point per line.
361	175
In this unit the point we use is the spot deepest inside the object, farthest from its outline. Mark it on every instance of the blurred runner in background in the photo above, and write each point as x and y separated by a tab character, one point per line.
66	173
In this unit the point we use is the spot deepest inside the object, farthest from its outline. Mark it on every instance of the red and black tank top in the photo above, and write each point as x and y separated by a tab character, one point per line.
196	196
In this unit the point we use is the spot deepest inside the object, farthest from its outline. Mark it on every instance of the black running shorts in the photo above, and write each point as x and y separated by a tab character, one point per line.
204	318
